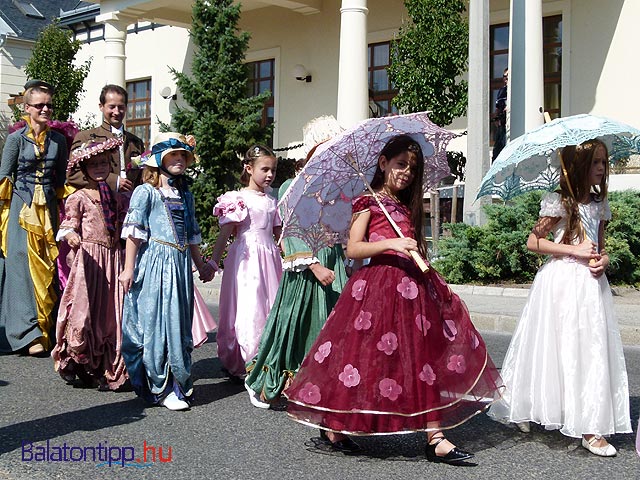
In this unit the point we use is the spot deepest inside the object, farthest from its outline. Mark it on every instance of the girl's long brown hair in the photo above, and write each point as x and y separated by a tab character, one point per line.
577	160
412	195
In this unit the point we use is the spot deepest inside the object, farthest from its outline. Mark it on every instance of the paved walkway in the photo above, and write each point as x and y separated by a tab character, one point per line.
497	309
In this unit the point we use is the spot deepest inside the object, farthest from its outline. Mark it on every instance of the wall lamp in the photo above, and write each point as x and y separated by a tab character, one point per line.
301	73
168	93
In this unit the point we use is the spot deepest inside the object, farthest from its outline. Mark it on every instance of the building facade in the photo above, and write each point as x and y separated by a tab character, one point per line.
320	57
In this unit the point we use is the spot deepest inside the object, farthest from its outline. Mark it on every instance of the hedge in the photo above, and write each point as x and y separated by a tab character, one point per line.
497	252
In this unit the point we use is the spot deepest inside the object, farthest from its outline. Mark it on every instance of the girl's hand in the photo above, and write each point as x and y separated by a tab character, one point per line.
73	239
598	265
126	279
402	245
586	250
323	274
207	272
125	185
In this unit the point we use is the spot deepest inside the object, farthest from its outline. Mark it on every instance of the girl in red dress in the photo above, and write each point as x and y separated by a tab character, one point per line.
399	353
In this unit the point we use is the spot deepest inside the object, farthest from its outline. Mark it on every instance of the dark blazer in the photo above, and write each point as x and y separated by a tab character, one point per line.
133	146
20	164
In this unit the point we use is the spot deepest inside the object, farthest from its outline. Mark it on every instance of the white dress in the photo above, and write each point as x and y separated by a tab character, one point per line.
565	367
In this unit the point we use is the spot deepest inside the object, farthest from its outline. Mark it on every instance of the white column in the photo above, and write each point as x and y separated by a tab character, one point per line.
353	96
526	71
115	38
478	160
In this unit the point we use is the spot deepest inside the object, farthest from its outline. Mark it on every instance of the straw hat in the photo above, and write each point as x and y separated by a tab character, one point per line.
319	130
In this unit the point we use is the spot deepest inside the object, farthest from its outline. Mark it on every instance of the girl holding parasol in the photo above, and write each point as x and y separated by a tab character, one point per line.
565	367
398	353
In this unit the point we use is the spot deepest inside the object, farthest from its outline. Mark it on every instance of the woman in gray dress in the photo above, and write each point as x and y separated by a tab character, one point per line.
32	173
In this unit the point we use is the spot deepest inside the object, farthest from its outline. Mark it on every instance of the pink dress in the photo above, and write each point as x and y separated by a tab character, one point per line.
397	352
252	271
89	328
203	321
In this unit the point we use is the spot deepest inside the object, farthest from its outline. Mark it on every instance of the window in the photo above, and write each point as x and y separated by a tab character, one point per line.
262	78
552	63
28	9
552	51
380	87
499	60
89	31
139	109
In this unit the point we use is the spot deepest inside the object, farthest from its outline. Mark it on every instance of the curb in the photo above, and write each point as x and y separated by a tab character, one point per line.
506	324
492	291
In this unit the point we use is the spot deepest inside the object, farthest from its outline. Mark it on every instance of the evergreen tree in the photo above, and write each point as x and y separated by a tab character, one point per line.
52	60
429	58
224	120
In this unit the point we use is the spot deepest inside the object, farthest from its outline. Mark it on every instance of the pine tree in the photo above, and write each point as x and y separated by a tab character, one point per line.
52	60
224	120
429	58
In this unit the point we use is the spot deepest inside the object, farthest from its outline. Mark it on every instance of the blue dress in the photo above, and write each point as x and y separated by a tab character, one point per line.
158	309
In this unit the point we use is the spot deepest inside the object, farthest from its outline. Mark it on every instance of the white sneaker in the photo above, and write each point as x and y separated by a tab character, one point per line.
254	398
524	427
607	451
172	402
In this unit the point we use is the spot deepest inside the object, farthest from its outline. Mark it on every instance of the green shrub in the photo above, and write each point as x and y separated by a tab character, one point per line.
497	251
623	238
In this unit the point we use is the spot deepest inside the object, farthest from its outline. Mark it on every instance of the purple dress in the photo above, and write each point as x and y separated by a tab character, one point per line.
252	271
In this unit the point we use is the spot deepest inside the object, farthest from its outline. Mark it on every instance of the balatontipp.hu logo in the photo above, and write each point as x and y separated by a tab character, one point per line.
102	454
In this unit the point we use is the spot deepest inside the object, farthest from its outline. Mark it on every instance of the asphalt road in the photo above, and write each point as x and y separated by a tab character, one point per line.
224	437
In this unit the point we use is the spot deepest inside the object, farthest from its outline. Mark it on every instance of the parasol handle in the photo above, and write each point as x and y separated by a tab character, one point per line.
419	261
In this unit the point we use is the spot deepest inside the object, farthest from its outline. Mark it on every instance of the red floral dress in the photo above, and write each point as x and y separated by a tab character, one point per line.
398	351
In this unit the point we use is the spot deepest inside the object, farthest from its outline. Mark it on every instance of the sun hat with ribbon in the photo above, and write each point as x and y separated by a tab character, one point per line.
167	142
91	149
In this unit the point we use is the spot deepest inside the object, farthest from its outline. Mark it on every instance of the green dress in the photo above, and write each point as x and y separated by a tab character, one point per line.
299	311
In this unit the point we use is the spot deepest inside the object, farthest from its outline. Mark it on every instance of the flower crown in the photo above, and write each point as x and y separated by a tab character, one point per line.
86	150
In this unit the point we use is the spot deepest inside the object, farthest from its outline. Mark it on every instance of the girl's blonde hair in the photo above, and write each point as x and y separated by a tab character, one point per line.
251	155
151	175
576	185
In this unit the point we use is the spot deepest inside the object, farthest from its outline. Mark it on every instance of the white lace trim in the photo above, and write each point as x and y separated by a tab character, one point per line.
298	264
134	232
551	206
63	233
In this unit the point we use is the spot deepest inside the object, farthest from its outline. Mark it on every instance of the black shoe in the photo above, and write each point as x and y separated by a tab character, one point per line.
125	387
234	379
346	445
453	457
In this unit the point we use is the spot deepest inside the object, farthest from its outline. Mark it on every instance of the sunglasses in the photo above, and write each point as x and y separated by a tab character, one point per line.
40	106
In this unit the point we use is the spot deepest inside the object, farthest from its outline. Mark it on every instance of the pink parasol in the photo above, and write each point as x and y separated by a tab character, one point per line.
316	208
